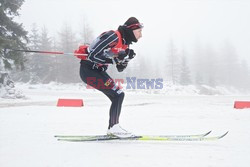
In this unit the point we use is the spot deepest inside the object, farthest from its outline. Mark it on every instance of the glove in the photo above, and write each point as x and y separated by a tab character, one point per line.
130	52
120	67
99	67
121	55
124	56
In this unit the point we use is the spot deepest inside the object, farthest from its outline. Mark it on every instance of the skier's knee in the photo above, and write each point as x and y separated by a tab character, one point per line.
122	95
119	94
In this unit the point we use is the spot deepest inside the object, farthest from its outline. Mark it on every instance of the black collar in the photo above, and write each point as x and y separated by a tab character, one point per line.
127	35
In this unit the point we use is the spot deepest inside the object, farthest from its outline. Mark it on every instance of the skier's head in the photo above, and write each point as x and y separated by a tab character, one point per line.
133	23
132	30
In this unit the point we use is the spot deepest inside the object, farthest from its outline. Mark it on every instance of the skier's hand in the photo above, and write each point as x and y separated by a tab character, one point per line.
121	55
118	59
120	67
130	52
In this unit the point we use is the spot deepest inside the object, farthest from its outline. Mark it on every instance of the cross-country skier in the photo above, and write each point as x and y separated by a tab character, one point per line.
111	47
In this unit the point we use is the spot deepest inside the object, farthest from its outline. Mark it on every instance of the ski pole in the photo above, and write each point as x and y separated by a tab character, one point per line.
48	52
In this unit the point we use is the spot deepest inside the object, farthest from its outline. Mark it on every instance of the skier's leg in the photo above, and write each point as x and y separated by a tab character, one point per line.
116	98
104	83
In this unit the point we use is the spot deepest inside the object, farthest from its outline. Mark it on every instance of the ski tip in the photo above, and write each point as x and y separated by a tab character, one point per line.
57	136
207	133
62	140
223	135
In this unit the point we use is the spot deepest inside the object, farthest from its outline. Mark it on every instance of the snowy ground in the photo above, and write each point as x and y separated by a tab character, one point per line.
27	128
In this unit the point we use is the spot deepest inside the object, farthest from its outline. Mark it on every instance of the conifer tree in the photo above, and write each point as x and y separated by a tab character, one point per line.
12	35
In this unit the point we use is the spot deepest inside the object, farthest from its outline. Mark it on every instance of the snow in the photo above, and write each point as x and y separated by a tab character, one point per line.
28	127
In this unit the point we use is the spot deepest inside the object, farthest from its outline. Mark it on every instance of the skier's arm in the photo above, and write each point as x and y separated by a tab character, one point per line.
121	66
99	50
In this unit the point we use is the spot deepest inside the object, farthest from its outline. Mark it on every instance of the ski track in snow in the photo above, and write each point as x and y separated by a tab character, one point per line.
28	127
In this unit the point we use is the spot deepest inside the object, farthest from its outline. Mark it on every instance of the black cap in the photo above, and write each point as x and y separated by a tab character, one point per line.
133	23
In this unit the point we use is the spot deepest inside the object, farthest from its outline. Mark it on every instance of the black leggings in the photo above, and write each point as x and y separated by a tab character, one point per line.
104	83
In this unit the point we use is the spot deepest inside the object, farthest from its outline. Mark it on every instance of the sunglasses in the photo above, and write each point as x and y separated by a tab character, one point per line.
135	26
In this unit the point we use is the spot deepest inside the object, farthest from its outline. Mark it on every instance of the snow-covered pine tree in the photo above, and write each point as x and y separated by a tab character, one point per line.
68	65
230	66
86	33
12	35
185	71
210	68
198	63
30	72
45	62
173	63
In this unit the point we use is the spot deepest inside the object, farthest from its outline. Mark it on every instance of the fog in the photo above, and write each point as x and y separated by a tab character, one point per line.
184	21
205	32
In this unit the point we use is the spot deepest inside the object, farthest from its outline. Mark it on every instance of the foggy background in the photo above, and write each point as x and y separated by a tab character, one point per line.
185	42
